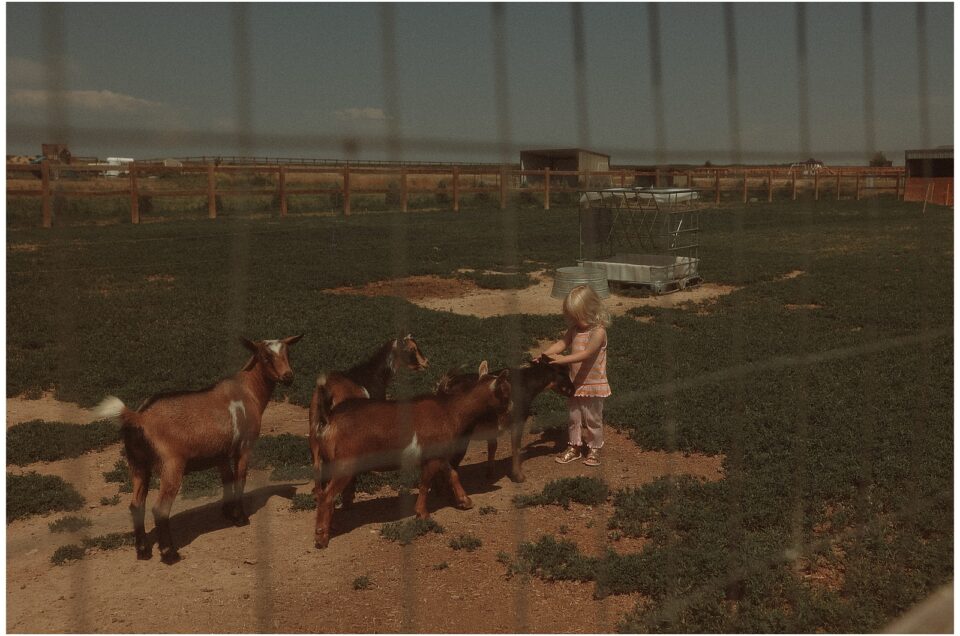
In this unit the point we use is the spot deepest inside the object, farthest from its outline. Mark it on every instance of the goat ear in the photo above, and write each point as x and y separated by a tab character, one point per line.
249	345
291	340
484	368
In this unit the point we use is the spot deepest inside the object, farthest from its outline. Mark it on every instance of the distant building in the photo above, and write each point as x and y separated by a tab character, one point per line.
563	159
56	152
929	174
807	168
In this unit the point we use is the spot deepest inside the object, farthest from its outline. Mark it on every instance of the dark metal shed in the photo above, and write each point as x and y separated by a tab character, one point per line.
564	159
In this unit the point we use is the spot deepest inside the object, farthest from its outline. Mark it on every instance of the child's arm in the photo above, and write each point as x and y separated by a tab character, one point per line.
560	345
593	346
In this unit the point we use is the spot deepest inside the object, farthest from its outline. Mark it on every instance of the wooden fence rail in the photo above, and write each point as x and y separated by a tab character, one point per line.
59	181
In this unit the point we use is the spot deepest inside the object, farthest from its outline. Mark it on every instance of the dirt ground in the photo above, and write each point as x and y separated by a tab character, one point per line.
267	577
462	296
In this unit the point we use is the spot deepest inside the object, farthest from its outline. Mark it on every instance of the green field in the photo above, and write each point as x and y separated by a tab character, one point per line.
828	392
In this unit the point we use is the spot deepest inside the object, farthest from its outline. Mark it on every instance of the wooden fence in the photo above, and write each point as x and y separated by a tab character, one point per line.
139	180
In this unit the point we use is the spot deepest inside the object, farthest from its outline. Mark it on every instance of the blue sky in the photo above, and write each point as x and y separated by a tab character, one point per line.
161	78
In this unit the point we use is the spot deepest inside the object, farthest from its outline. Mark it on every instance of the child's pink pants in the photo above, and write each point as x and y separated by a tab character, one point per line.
586	421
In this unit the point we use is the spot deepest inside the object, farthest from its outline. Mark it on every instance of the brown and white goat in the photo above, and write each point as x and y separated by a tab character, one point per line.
367	380
194	430
526	382
425	431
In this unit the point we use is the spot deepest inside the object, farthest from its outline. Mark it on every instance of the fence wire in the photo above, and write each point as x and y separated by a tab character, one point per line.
245	139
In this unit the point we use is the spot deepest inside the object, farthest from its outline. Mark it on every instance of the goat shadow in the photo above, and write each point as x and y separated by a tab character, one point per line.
187	525
394	507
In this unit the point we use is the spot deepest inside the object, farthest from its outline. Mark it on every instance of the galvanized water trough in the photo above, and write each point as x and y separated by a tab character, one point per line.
569	277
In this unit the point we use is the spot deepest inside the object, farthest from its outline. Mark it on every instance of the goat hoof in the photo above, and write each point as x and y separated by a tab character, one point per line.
320	544
144	555
170	557
518	477
465	504
241	521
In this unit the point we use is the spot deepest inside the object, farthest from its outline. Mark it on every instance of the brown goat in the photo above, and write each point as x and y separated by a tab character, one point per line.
193	430
367	435
526	382
367	380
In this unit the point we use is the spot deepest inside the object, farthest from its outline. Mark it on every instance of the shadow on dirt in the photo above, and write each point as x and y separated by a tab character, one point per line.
190	524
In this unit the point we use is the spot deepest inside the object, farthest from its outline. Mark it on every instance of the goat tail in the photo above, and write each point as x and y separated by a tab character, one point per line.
113	408
319	406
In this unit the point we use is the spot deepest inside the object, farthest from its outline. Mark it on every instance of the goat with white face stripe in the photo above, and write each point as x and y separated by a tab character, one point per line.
180	432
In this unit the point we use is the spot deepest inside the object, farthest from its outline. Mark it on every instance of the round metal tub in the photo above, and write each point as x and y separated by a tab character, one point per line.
569	277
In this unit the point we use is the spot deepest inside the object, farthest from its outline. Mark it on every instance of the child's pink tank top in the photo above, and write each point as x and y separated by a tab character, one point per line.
591	381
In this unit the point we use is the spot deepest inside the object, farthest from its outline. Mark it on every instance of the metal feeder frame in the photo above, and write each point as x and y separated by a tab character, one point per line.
642	236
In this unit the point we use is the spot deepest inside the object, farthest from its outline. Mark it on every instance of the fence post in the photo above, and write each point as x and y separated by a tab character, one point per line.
623	178
283	189
839	172
898	186
503	186
793	175
744	186
816	185
656	177
211	192
546	188
134	195
346	190
769	186
403	189
689	178
717	186
45	197
858	185
456	188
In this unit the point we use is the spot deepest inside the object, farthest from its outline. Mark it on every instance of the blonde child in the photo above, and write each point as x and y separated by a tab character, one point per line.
586	337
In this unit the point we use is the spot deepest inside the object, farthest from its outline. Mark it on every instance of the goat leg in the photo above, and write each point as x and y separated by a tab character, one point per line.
170	480
430	468
228	478
491	456
138	510
241	518
321	532
459	494
516	435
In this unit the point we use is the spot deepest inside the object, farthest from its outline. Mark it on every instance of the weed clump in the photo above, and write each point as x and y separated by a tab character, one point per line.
560	492
34	494
362	583
301	501
42	441
466	542
70	523
70	552
404	532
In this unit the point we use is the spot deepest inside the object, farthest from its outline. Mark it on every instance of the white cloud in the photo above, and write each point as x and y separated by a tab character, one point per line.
96	101
360	114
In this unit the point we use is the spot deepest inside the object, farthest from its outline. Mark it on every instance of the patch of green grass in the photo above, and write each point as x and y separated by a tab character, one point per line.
70	552
291	473
487	510
202	483
404	532
301	501
42	441
552	560
362	583
281	451
112	541
466	542
806	407
504	280
399	480
70	523
560	492
35	494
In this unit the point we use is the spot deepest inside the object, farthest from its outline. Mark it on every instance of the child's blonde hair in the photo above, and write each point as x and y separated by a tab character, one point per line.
582	305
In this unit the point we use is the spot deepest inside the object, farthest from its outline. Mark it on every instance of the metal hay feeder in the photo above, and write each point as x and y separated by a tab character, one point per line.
642	236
